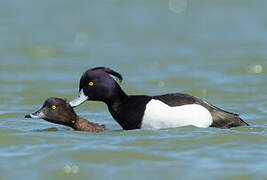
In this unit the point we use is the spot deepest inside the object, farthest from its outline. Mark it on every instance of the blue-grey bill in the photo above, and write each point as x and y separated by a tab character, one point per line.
36	115
81	98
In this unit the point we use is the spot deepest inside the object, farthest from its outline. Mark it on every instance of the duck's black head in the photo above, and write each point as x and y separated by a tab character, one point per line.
97	85
55	110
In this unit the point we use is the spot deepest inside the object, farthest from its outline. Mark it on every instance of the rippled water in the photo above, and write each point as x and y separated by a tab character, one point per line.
212	49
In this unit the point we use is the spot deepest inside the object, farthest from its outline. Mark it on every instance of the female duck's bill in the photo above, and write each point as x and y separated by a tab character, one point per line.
36	115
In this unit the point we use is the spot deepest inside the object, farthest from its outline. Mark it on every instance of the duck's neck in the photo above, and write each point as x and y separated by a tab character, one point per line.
81	124
116	98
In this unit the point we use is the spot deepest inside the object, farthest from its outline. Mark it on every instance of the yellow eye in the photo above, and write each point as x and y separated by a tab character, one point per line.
54	107
91	83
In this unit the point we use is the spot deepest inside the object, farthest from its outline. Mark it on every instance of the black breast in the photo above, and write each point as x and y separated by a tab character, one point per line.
129	113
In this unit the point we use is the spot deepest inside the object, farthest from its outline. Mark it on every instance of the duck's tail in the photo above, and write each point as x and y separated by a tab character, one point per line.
224	119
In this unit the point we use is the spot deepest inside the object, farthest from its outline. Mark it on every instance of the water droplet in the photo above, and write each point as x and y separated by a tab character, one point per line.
67	169
177	6
255	69
74	169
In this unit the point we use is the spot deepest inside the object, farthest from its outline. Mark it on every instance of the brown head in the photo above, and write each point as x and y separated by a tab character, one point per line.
56	110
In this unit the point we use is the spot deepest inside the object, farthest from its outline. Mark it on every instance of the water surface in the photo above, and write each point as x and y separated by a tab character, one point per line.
215	50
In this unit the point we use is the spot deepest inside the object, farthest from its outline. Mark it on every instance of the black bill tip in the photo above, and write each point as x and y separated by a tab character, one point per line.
28	116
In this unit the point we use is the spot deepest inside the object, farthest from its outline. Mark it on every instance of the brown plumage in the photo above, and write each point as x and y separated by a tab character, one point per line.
57	110
84	125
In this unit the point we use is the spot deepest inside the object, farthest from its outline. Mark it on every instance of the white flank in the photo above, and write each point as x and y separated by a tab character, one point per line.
159	115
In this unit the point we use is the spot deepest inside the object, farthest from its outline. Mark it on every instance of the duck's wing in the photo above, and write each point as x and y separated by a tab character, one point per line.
178	99
220	117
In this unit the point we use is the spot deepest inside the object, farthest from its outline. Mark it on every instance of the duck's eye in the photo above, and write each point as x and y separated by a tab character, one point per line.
54	107
91	83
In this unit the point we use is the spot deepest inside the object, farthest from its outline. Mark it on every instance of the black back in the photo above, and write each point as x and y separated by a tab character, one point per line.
179	99
220	117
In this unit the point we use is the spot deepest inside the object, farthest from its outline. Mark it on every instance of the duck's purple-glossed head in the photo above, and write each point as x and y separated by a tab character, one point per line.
96	85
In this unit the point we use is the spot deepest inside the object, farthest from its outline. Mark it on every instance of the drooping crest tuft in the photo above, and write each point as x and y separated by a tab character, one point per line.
109	71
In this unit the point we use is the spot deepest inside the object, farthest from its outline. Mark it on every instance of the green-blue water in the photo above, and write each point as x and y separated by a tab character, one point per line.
216	50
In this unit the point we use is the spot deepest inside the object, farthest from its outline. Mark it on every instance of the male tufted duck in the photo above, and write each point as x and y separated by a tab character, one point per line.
57	110
163	111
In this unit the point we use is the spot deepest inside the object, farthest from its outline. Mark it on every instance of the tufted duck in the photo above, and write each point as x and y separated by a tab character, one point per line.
57	110
163	111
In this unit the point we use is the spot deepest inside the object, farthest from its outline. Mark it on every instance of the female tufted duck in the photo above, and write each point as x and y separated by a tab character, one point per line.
57	110
163	111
